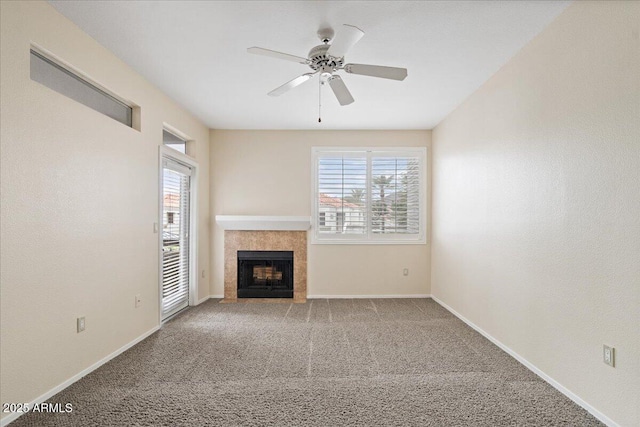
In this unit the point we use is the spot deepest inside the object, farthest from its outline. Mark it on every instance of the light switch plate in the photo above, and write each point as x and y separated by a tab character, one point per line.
608	355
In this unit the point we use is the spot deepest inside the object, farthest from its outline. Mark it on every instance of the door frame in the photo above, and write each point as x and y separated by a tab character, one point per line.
166	152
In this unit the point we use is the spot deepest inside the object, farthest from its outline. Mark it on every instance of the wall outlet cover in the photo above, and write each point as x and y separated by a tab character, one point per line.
608	355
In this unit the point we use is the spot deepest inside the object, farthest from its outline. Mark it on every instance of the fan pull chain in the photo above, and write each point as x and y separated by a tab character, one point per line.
320	99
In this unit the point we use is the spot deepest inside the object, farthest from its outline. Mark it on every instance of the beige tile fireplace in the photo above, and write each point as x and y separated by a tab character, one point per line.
265	240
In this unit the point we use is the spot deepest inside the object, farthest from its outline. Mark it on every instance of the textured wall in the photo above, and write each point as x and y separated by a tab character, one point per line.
269	173
536	205
79	199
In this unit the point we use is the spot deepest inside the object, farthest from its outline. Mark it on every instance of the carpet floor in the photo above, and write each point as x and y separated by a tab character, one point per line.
349	362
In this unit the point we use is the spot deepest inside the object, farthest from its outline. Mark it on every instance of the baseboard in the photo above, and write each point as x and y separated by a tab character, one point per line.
13	416
562	389
208	298
203	300
369	296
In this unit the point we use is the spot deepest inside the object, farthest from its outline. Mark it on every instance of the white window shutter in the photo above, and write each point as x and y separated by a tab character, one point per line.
375	195
341	194
395	194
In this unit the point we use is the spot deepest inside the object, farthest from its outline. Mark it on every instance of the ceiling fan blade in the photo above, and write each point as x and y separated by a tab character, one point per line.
345	39
291	84
275	54
392	73
340	90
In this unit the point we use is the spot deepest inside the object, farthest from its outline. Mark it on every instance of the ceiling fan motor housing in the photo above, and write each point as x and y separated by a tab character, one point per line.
318	59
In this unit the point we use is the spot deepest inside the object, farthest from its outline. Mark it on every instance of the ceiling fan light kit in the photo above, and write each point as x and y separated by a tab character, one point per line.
327	59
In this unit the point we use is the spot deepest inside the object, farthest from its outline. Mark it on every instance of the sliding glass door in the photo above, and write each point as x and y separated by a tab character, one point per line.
176	256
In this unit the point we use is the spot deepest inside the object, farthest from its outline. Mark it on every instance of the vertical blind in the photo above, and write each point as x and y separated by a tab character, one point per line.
175	237
369	195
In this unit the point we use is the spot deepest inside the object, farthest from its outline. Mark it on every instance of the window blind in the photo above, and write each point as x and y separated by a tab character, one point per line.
395	194
369	195
341	194
175	237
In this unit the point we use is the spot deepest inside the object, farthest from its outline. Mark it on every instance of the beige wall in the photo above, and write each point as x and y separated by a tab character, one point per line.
269	173
79	199
536	205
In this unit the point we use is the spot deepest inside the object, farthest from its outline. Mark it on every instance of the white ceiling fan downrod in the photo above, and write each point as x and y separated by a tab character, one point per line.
320	99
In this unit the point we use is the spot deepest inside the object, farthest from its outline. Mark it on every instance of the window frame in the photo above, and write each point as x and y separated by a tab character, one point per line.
369	237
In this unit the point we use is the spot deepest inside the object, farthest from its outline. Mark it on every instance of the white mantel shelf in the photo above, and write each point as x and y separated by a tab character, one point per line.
249	222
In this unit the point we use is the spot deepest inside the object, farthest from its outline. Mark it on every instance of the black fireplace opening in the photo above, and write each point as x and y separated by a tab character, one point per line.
265	274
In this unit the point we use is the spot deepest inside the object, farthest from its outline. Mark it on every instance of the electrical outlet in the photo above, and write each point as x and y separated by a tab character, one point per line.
405	272
608	355
138	300
80	324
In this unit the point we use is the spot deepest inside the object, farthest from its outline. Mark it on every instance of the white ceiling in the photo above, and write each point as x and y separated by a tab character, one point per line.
195	51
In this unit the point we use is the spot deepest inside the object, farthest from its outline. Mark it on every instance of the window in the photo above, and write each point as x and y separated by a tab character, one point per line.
172	141
53	75
373	195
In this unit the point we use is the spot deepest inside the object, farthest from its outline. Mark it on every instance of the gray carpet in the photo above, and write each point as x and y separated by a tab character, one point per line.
360	362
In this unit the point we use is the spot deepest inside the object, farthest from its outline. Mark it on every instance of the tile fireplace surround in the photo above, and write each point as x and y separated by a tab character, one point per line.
265	240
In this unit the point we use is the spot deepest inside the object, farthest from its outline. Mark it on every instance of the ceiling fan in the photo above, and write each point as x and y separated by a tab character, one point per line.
327	59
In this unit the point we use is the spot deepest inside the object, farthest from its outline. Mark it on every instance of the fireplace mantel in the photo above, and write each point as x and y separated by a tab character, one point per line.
271	223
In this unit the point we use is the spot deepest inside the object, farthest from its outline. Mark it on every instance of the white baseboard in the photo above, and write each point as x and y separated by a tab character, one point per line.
202	300
13	416
562	389
208	298
368	296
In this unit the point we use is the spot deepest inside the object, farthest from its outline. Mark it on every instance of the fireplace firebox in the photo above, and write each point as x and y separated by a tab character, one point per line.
265	274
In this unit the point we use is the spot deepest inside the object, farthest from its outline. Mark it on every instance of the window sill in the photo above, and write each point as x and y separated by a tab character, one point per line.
315	241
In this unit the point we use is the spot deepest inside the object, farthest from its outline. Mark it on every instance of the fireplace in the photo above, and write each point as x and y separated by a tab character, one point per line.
265	274
265	240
